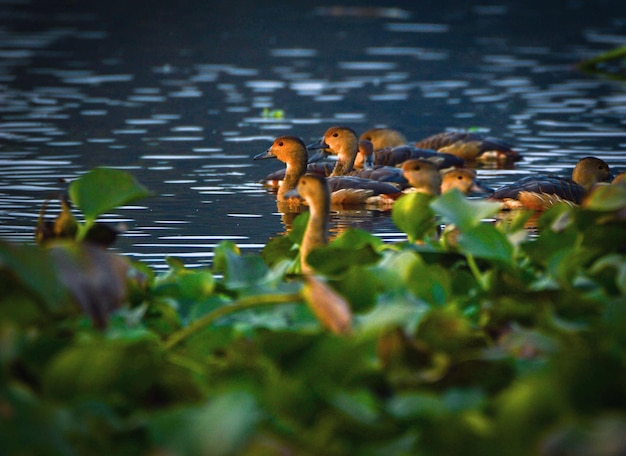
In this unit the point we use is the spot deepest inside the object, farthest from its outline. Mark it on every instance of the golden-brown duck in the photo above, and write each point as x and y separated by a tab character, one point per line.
542	191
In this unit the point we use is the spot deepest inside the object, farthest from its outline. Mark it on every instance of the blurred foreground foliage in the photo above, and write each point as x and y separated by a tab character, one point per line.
477	340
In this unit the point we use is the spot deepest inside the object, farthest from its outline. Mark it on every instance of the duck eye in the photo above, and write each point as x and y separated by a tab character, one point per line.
280	143
335	135
460	177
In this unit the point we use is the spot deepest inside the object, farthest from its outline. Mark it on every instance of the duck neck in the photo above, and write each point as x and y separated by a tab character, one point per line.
316	232
295	169
345	159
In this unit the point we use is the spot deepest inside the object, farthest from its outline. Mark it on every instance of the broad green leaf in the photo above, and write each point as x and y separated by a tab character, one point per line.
221	427
607	198
103	189
432	283
240	272
336	261
413	215
35	270
455	208
120	372
486	241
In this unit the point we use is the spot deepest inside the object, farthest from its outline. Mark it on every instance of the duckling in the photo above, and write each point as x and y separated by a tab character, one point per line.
315	191
471	147
343	142
345	190
382	138
543	191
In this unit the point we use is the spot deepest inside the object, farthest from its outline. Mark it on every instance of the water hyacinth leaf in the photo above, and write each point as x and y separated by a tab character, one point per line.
103	189
332	260
360	286
278	249
118	371
239	271
34	268
413	215
607	198
432	283
221	427
355	238
486	241
455	208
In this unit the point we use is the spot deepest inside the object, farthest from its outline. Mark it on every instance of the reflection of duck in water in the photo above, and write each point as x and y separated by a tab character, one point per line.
345	190
543	191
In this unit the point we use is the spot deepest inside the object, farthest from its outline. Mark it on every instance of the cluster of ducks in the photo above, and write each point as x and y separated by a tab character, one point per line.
380	166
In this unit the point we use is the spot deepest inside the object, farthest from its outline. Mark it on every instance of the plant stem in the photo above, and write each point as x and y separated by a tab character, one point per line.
248	302
471	262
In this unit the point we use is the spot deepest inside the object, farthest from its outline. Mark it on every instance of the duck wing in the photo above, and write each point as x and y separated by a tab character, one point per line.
547	184
393	156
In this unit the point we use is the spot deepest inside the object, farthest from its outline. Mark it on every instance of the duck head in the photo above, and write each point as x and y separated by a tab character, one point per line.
590	171
463	179
384	137
422	175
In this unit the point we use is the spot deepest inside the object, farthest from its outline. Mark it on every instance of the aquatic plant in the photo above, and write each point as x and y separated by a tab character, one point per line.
472	337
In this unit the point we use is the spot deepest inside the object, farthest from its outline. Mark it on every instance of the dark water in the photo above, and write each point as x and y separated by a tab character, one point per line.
176	93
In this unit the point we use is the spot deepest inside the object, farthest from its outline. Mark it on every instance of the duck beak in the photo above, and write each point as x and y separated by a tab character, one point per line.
263	155
321	144
319	155
478	187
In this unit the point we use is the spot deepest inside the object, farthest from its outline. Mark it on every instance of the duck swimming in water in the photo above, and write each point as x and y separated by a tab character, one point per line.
394	156
382	138
315	191
471	147
543	191
425	177
343	142
345	190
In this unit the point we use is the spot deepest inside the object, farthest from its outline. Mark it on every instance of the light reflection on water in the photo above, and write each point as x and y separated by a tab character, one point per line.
186	117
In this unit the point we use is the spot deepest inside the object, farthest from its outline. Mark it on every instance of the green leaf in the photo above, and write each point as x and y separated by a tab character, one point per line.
413	215
221	427
240	272
607	198
34	269
455	208
103	189
121	372
486	241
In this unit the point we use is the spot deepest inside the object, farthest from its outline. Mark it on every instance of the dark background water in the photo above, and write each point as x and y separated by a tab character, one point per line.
175	92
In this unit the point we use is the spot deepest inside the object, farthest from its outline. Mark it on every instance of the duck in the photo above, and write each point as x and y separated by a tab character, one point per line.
382	138
313	189
345	190
275	178
425	177
394	156
342	141
542	191
471	147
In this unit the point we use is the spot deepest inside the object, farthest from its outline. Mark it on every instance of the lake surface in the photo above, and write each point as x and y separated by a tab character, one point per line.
178	94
